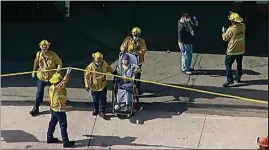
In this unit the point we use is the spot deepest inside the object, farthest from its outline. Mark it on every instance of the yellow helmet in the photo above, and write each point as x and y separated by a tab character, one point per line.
235	17
136	31
96	56
55	78
44	42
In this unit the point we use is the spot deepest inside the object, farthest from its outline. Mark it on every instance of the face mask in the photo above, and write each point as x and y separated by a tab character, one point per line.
97	63
136	38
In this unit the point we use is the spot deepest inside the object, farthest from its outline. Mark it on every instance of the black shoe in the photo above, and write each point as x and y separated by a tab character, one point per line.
53	140
227	83
94	113
34	111
69	144
102	115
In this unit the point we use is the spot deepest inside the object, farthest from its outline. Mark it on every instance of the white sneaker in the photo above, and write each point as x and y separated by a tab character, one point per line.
188	72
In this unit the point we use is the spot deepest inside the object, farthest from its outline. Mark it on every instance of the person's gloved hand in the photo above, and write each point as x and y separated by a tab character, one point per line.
58	69
114	73
223	29
33	75
68	70
87	89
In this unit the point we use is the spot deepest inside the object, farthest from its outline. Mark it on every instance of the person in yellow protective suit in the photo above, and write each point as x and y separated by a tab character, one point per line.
235	36
57	97
96	83
45	59
135	44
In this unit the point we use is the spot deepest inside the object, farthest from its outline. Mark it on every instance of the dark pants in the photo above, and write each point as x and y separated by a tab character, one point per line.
138	76
55	118
40	92
99	100
229	60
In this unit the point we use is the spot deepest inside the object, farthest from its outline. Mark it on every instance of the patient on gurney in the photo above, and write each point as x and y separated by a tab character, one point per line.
124	87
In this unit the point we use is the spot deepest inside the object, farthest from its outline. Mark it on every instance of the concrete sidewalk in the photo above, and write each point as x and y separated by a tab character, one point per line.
202	131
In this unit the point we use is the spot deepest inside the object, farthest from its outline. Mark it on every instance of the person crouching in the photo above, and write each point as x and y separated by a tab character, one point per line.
96	83
57	96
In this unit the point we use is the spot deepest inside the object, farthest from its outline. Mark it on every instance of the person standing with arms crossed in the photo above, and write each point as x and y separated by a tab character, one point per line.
235	36
44	60
185	41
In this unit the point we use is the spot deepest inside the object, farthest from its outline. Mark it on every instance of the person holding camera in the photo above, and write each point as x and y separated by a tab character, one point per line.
186	34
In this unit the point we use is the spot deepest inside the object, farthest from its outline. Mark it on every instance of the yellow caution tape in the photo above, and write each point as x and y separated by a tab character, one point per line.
28	72
156	83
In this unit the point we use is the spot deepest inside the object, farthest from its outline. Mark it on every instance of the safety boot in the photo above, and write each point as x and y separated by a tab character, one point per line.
34	111
95	113
53	140
69	144
102	115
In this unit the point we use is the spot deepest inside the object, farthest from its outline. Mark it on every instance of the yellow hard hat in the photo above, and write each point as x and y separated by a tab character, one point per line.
136	31
44	42
235	17
96	56
55	78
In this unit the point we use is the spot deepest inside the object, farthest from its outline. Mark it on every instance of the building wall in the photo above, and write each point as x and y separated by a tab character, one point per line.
92	26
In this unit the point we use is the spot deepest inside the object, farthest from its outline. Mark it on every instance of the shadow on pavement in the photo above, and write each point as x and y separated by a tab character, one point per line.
160	91
222	72
251	82
108	141
151	110
15	136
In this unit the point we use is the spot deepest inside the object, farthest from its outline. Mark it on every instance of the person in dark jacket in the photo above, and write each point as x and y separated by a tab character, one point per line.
186	34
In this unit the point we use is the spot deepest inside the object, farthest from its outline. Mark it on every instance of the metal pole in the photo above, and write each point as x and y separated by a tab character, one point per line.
67	6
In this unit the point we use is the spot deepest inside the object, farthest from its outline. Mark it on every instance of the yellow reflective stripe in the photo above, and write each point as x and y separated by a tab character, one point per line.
239	53
58	110
240	39
61	96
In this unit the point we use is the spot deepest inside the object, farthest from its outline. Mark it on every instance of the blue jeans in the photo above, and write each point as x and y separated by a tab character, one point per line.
40	92
186	56
229	60
99	100
62	119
